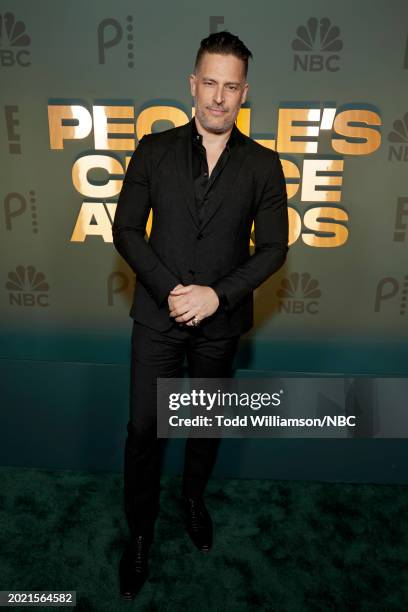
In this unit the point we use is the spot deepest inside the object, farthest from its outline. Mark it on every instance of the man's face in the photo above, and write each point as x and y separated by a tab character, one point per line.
219	88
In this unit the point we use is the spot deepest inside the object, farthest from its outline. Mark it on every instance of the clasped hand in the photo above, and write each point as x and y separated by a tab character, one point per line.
188	301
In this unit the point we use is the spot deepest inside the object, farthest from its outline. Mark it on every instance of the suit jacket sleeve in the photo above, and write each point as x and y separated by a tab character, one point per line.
129	226
271	242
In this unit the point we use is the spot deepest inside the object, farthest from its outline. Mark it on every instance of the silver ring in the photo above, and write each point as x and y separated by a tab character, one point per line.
195	321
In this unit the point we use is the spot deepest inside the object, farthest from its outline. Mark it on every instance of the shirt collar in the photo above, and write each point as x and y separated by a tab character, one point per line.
197	137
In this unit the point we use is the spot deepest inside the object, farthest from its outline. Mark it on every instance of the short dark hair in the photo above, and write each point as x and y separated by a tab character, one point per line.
225	43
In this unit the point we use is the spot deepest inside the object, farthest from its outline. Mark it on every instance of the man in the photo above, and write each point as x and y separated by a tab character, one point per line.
206	183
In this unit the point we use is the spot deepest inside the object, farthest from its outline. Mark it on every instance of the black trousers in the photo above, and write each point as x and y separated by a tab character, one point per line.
157	354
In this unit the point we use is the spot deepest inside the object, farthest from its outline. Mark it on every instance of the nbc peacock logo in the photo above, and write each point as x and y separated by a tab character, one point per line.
316	46
27	287
298	294
399	137
14	42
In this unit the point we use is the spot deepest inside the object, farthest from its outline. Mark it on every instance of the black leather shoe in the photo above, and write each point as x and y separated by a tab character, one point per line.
133	566
198	522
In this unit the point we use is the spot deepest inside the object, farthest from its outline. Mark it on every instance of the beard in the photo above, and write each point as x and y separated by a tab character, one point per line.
211	124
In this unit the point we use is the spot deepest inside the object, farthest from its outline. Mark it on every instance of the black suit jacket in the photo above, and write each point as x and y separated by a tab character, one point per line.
251	187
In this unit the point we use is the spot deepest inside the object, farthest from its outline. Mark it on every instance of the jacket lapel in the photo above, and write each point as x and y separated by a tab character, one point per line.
224	183
185	172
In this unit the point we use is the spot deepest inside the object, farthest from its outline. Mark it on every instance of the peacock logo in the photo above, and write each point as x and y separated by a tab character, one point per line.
316	46
399	136
298	294
27	287
14	42
400	131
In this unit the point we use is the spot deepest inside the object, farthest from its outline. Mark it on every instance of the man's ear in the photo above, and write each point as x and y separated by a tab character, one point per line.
192	78
244	93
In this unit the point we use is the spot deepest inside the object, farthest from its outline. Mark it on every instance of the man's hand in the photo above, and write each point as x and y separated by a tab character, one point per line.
186	302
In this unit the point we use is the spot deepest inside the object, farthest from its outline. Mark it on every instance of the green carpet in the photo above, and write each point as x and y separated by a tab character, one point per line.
279	546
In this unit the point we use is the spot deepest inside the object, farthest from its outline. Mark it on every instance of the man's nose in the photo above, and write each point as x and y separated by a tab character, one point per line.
219	95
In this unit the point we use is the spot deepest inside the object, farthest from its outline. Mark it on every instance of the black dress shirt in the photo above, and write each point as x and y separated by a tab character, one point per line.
204	185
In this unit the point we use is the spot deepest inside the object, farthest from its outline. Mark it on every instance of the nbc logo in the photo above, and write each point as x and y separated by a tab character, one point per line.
27	287
298	294
13	42
316	45
399	135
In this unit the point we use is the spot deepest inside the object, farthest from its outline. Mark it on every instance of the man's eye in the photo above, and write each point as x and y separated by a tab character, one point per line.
232	87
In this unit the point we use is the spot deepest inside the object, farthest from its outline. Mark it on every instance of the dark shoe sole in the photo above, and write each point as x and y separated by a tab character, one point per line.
203	549
127	597
133	595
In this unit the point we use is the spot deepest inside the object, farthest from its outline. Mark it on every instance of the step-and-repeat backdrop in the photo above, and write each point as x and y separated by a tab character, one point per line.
81	82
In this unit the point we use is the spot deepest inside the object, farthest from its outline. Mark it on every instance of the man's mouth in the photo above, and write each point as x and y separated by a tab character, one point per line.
217	111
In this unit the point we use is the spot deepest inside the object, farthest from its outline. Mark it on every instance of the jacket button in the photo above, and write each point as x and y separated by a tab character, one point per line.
199	236
192	271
